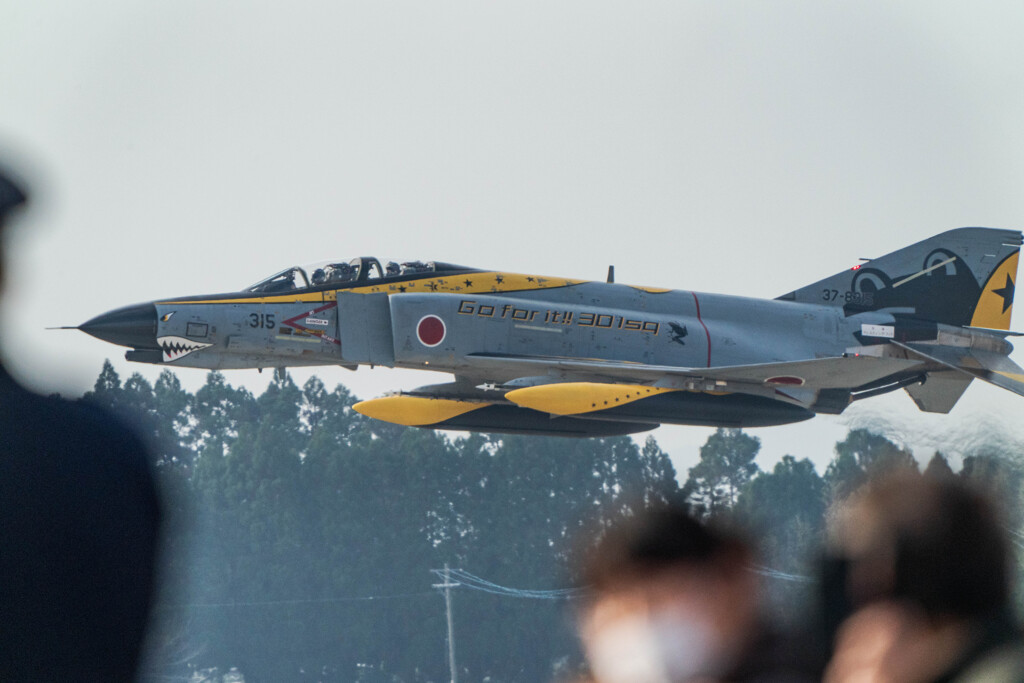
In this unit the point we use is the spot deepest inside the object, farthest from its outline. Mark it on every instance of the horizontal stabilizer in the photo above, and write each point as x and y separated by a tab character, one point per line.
940	391
991	367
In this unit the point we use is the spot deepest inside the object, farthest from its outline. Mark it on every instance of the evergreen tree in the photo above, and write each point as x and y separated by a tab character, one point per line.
320	527
313	409
726	465
659	481
785	510
106	391
218	409
108	381
173	406
860	457
786	507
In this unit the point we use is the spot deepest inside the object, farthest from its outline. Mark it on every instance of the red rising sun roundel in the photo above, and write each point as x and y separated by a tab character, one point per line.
431	330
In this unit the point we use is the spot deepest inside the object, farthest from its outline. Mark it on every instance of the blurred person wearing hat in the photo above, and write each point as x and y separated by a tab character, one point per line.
674	600
79	532
926	572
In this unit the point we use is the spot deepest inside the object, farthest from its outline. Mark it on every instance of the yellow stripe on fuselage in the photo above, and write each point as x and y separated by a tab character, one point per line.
464	283
651	290
470	283
296	298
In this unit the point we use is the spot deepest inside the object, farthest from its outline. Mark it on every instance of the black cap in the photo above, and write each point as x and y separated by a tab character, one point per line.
11	195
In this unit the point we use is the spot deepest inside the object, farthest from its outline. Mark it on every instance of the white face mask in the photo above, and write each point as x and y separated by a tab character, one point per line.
660	648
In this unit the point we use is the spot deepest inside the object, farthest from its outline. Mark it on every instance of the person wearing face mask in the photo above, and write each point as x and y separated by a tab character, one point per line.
921	573
672	600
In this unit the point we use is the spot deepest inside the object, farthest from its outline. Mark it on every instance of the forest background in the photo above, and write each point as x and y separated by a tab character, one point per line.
305	539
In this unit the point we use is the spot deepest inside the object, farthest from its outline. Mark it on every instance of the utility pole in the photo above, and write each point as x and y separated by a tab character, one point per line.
447	586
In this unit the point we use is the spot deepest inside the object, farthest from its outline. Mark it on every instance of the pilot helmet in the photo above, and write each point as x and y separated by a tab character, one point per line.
319	276
393	268
341	271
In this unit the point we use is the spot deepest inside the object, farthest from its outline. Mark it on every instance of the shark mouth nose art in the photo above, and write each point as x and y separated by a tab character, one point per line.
174	348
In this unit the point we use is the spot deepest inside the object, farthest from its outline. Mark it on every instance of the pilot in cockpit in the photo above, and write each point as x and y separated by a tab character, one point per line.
340	272
281	283
392	269
319	276
414	267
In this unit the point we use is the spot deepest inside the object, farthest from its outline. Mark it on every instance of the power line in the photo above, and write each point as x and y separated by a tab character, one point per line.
476	583
298	601
776	574
459	578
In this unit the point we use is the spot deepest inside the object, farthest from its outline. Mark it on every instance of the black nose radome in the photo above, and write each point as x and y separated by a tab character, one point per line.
133	326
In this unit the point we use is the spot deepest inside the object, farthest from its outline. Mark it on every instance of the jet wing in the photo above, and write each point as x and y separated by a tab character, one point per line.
839	372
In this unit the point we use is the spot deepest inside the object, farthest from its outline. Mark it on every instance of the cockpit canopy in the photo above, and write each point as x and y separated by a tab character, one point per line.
330	274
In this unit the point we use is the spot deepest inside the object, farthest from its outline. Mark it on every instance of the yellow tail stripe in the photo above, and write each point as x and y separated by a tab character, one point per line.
994	307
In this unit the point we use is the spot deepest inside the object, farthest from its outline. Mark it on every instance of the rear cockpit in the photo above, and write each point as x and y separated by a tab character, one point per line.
363	270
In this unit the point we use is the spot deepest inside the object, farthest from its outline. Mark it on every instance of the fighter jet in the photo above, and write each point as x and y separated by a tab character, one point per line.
551	355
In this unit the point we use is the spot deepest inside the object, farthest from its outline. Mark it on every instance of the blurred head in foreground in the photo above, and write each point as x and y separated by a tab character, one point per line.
12	198
926	575
672	600
79	529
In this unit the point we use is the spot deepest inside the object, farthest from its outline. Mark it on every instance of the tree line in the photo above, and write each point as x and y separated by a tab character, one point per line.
303	535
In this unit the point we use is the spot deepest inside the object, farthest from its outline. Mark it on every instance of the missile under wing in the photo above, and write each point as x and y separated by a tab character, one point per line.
549	355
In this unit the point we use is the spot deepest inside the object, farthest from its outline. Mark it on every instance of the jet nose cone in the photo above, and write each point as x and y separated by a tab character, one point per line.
133	326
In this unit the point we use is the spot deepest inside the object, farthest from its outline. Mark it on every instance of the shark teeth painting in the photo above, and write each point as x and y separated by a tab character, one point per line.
178	347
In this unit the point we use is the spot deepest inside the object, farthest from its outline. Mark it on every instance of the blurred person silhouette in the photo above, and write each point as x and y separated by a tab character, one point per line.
924	576
673	600
79	528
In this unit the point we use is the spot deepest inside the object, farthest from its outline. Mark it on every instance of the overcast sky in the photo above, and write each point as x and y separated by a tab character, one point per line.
738	147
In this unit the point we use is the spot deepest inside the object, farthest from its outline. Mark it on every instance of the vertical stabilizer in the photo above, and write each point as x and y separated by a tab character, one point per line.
963	277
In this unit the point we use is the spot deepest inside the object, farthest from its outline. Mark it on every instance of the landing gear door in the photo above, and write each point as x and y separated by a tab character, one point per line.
364	328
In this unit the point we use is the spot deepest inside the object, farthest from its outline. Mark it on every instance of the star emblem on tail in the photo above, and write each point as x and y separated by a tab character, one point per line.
1006	292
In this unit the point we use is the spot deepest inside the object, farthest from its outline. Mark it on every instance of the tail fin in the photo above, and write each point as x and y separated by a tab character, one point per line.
963	277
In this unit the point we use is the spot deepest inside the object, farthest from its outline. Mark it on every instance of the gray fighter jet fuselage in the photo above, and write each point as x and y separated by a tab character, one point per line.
550	355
